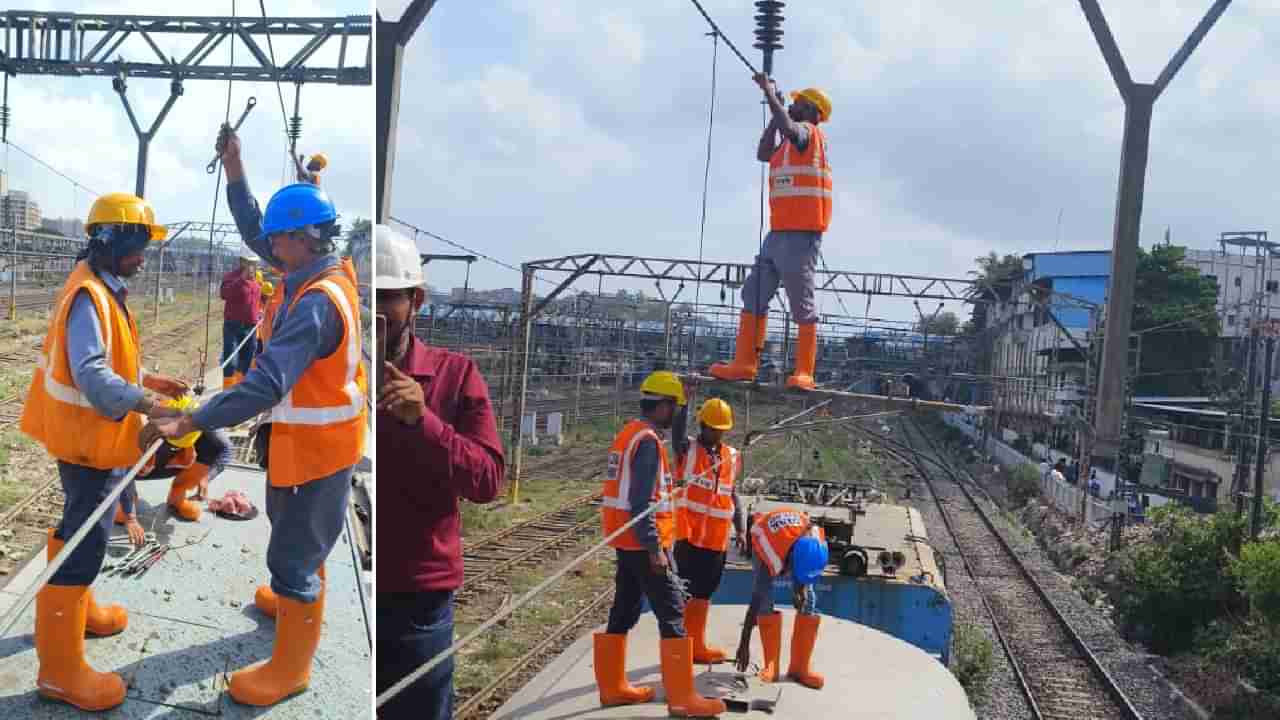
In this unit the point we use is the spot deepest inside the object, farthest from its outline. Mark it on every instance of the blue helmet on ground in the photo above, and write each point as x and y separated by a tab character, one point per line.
808	558
295	207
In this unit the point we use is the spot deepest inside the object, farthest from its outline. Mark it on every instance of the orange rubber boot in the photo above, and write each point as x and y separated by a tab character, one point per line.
187	480
803	637
746	358
609	653
677	679
695	624
266	600
288	672
64	675
771	637
99	621
806	358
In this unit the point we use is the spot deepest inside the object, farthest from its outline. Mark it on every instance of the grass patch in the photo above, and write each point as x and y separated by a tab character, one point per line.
972	658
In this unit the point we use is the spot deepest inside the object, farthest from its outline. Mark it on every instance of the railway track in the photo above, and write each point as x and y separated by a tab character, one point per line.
1059	675
24	527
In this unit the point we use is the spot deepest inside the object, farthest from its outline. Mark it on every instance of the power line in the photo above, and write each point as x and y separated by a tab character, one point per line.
460	246
54	170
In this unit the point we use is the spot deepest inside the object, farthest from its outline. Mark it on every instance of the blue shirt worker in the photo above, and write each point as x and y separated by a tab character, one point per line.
783	541
85	406
311	378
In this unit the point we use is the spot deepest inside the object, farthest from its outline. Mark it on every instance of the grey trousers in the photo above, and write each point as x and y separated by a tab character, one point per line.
306	522
789	257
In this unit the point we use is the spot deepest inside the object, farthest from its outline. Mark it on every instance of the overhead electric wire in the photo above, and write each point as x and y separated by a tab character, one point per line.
727	41
706	182
53	169
460	246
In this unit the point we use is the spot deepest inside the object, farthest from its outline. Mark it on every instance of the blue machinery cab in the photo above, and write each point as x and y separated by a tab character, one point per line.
883	572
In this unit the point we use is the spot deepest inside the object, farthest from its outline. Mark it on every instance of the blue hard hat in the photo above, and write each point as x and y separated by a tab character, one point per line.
808	558
296	206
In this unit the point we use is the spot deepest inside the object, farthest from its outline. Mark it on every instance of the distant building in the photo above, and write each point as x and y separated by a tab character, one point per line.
71	227
23	210
1241	279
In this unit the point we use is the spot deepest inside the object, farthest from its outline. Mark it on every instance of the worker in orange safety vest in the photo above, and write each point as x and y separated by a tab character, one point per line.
708	515
638	478
782	541
799	213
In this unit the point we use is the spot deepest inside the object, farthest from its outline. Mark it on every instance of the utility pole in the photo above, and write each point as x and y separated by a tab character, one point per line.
1139	100
1241	480
1264	420
392	37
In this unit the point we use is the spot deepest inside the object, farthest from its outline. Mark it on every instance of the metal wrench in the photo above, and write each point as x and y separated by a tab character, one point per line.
212	167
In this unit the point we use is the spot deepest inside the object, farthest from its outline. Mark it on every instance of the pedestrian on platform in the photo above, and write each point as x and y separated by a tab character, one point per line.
240	292
312	380
437	444
638	477
708	515
1060	470
782	541
799	212
86	406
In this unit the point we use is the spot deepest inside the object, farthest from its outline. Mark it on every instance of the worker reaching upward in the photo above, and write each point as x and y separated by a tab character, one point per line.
708	515
311	379
310	173
639	476
85	406
799	213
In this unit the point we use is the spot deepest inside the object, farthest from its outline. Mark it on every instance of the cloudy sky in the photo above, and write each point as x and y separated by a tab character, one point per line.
80	127
545	128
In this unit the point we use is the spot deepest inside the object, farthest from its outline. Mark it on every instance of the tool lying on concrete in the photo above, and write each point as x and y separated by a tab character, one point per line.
143	557
212	167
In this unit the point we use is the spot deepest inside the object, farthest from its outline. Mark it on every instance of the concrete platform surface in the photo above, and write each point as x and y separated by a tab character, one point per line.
869	675
192	621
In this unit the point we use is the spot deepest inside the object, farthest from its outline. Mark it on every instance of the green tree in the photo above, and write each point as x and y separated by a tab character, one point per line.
941	324
997	273
1176	306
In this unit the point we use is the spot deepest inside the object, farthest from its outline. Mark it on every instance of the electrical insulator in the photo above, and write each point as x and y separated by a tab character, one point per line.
769	30
295	128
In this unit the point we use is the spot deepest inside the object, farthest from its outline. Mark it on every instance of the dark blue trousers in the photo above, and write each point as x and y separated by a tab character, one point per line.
306	522
232	333
412	629
634	583
85	488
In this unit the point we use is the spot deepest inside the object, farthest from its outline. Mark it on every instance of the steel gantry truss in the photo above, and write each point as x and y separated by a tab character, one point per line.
72	44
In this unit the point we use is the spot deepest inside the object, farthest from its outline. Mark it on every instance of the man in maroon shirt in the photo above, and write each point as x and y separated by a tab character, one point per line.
437	442
240	292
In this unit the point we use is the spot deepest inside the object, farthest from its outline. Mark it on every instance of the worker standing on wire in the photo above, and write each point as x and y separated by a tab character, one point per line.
85	405
707	516
312	379
784	540
437	444
240	292
638	477
799	212
310	172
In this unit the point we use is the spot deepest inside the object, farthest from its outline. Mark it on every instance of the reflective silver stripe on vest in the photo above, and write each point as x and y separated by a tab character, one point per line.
71	394
770	557
286	412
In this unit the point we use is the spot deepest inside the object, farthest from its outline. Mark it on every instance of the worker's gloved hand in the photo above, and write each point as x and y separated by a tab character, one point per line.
228	145
166	385
401	396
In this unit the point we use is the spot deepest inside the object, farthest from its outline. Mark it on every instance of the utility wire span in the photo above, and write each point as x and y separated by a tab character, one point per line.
460	246
53	169
727	41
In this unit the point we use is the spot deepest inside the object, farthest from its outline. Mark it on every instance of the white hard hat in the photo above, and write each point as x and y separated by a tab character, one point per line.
248	255
396	264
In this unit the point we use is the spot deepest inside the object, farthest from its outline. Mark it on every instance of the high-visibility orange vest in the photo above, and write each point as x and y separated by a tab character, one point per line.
773	534
319	426
800	185
615	507
56	413
704	516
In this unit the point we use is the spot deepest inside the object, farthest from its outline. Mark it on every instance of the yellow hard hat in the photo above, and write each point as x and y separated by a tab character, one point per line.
320	159
268	289
819	100
123	208
186	403
258	276
716	414
664	383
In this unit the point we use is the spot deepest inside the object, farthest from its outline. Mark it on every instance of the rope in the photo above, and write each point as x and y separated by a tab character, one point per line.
706	181
434	662
728	42
74	541
213	221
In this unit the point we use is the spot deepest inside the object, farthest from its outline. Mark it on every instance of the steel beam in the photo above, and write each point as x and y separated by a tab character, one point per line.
735	274
79	45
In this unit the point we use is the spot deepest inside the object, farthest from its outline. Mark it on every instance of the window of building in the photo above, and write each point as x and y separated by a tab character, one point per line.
1231	320
1273	286
1211	277
1237	282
